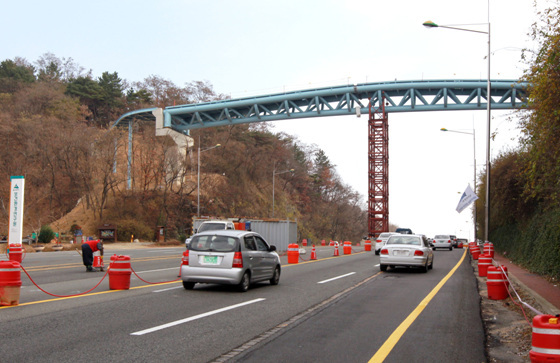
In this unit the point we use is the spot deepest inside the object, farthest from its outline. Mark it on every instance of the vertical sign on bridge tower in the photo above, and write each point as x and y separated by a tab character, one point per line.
16	210
378	159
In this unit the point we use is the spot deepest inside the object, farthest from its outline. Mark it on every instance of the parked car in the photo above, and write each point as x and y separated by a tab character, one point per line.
231	257
407	251
381	239
404	230
443	241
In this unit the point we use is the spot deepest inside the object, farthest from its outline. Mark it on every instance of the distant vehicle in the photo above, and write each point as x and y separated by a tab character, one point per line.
230	257
453	240
404	231
215	225
381	239
406	251
443	241
461	242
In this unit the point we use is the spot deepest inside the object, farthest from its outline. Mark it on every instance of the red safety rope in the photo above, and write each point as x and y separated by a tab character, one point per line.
46	292
153	283
509	293
303	259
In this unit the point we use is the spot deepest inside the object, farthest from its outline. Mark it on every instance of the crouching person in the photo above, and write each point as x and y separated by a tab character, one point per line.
88	248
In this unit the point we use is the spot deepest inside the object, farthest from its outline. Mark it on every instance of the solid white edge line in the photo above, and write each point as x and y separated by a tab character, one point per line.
161	269
182	321
171	288
336	278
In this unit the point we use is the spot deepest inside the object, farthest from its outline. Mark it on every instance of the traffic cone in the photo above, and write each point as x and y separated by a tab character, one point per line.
336	253
313	254
98	262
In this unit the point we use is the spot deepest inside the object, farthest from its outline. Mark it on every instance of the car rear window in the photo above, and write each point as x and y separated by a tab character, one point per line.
404	240
385	235
442	236
213	243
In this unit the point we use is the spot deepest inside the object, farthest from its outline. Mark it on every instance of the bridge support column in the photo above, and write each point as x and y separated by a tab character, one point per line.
378	177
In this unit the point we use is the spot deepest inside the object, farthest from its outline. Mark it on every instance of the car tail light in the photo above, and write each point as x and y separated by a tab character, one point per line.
378	241
418	253
384	251
237	260
449	241
186	257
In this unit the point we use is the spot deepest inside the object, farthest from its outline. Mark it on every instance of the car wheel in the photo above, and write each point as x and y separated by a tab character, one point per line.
188	285
431	266
450	248
377	253
383	267
276	277
425	268
245	282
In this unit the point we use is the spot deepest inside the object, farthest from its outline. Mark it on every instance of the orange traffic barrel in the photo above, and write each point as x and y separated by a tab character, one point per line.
497	283
347	249
475	252
484	261
293	253
323	243
10	283
119	272
367	245
488	249
545	343
304	242
16	252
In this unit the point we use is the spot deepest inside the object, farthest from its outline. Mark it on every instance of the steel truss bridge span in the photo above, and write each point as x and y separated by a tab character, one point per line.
374	99
405	96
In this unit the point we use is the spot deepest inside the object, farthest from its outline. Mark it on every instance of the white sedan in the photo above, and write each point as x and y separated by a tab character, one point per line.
443	241
407	251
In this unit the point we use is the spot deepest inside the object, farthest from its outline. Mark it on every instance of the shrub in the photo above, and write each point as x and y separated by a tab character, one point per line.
46	234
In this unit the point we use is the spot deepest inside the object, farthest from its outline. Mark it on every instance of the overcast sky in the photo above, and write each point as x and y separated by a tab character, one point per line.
258	47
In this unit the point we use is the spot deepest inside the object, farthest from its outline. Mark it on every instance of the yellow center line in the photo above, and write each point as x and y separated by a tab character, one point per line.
394	338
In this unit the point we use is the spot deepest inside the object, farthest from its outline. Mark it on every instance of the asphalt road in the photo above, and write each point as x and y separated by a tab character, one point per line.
334	309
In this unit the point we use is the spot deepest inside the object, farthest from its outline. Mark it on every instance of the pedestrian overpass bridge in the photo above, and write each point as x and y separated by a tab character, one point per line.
376	100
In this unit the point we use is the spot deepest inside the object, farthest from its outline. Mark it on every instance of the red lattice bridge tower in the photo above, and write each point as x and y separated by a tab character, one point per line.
378	174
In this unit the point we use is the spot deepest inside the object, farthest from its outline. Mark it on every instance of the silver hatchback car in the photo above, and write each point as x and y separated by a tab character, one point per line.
230	257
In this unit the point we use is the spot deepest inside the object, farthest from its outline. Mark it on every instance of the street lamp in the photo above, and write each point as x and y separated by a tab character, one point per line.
431	24
474	178
274	173
198	182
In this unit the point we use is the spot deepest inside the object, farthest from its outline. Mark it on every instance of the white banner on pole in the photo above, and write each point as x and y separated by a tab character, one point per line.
467	199
16	209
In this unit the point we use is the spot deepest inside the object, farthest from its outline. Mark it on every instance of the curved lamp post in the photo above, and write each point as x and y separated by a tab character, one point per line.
474	178
431	24
198	182
274	173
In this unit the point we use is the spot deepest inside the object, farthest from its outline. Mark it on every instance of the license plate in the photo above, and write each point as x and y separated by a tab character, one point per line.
212	260
400	253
